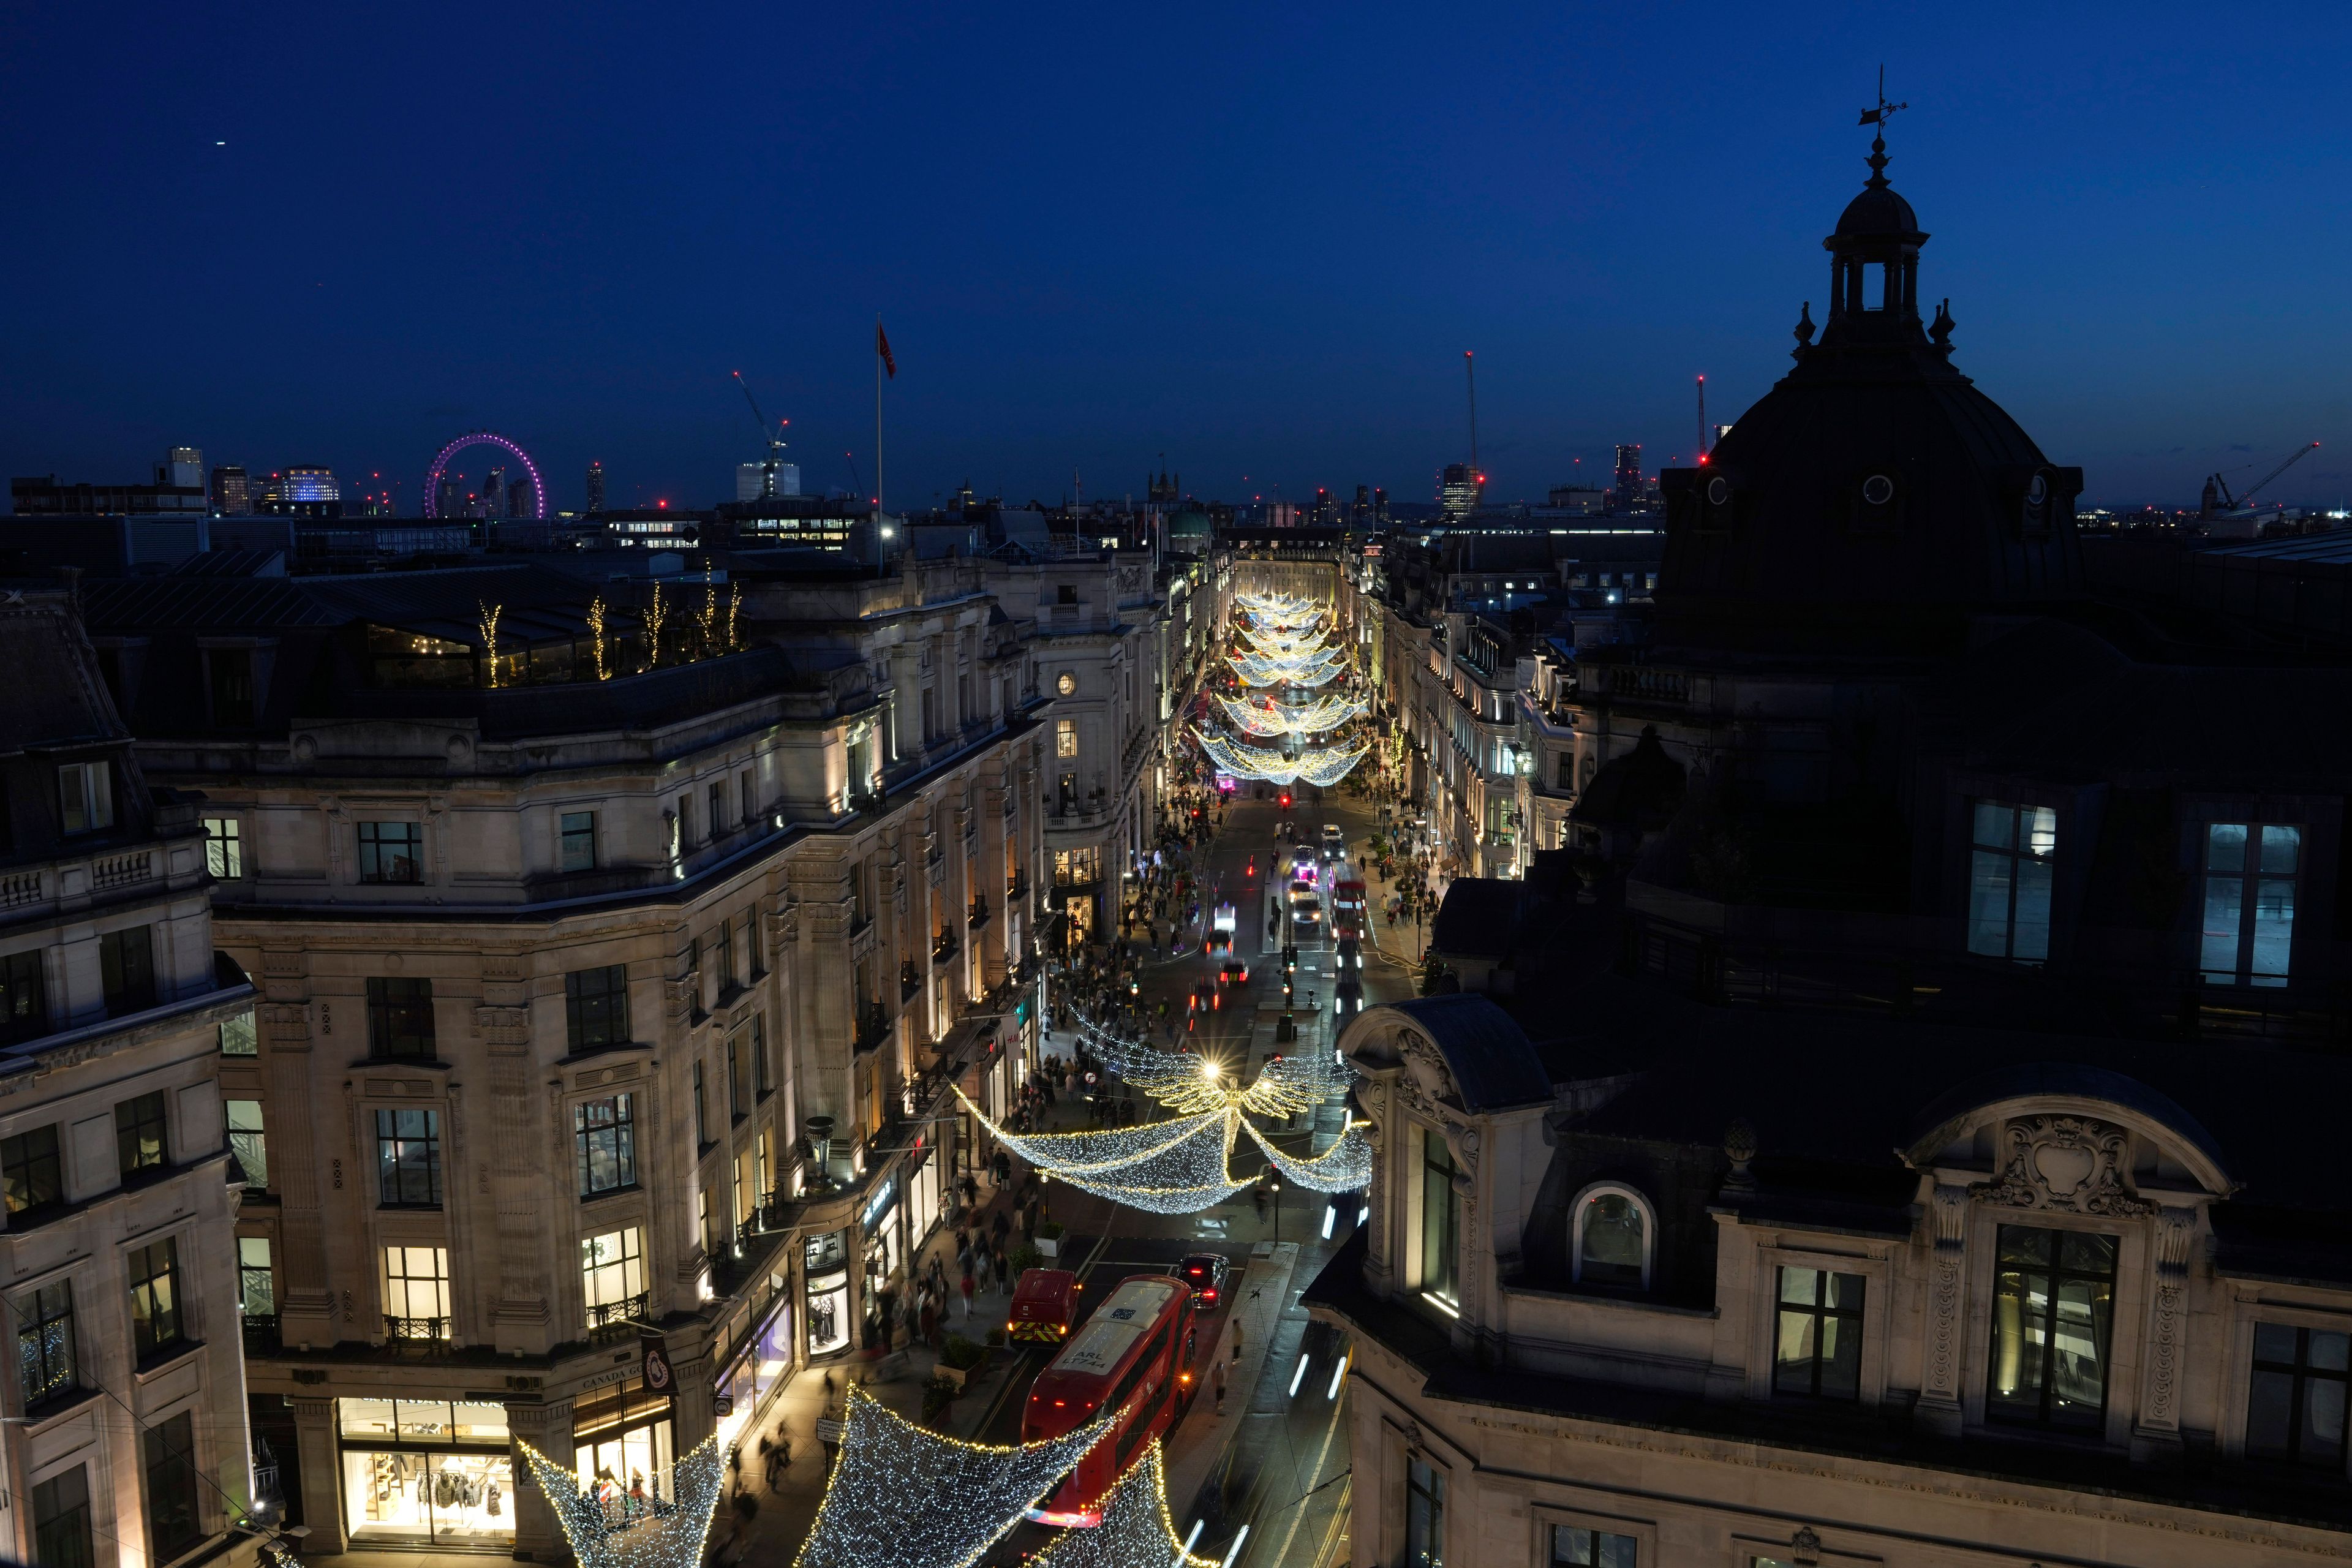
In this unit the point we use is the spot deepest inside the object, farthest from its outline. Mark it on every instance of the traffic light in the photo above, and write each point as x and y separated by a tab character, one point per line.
1286	800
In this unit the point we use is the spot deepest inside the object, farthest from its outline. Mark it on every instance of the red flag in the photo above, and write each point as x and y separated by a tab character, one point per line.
882	347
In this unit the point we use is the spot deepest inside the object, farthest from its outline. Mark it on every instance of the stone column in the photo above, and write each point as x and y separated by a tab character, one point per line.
1940	1377
321	1462
539	1533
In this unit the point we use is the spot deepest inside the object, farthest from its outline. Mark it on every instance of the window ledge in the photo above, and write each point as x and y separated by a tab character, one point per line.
611	1192
586	1052
56	1404
157	1361
409	1208
378	1063
1632	1300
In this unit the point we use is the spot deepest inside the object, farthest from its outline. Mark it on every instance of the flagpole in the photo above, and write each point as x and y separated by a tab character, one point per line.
878	438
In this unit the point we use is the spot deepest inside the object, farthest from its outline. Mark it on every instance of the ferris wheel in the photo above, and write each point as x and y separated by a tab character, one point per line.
483	438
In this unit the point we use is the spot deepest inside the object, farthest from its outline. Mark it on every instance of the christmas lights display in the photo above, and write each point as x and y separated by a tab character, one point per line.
1278	607
1344	1167
607	1528
1135	1530
1271	718
900	1495
1112	1150
1286	644
1321	765
1317	668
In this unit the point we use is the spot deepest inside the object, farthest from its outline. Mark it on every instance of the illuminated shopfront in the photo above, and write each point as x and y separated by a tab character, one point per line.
886	1243
825	1268
756	1372
426	1472
624	1442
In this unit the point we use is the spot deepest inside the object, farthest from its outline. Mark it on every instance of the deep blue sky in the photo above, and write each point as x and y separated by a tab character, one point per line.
1254	238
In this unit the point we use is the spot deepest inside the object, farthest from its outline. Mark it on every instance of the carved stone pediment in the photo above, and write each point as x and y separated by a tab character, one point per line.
2070	1164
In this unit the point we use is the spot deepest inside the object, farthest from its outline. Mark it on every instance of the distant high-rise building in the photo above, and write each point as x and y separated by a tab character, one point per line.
521	501
1628	474
595	486
751	479
494	493
229	495
451	501
182	467
1458	492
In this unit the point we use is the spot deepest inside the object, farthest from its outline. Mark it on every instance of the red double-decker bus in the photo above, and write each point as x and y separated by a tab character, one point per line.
1348	908
1133	1355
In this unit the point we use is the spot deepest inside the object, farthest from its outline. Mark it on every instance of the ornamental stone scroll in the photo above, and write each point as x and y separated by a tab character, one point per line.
2065	1165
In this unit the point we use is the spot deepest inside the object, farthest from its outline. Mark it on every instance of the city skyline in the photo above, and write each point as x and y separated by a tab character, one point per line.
1263	260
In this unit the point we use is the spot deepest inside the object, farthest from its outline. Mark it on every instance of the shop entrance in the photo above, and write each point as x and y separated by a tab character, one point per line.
623	1446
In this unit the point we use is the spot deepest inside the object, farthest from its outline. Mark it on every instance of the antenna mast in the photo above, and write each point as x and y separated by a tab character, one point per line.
1702	418
1470	370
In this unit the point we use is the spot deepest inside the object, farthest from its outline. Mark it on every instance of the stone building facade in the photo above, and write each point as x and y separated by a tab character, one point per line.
124	1443
592	1010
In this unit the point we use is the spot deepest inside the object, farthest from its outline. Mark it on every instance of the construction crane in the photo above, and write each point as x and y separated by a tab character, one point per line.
2217	499
776	438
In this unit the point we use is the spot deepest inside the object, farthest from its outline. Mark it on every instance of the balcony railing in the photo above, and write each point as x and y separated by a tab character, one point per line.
978	916
873	1026
944	948
19	887
1016	885
611	1320
425	1330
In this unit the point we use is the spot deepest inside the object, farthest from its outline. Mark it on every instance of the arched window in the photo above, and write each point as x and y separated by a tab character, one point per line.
1615	1237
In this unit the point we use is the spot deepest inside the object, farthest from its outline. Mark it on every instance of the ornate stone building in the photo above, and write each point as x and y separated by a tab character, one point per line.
1904	1131
612	983
124	1438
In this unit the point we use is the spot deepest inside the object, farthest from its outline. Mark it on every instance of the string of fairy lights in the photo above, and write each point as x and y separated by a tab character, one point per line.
902	1497
1271	718
1135	1530
1285	643
608	1529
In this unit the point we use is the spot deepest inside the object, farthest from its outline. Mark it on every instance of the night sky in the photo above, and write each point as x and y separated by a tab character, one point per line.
1257	238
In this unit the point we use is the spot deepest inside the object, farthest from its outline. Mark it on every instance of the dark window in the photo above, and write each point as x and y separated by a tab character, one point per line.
605	1131
2295	1406
155	1299
685	819
1613	1246
400	1018
578	841
2053	1327
126	967
701	1119
1441	1220
139	1133
762	1083
44	1343
408	1158
24	1004
718	793
735	1077
61	1537
30	1176
722	953
1591	1548
744	796
1818	1350
86	796
232	670
596	1006
391	852
169	1453
1425	1515
1065	593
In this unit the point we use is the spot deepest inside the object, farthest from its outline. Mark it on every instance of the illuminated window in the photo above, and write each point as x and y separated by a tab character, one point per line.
1612	1239
2053	1327
2009	873
1441	1221
611	1274
2248	936
1065	737
417	1292
605	1135
224	848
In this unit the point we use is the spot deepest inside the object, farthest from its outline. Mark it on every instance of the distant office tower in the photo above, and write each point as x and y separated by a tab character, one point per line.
230	496
494	493
595	486
1628	474
1457	493
751	480
184	466
451	502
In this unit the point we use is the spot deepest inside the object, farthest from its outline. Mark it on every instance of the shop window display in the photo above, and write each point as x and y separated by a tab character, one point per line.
426	1471
827	1269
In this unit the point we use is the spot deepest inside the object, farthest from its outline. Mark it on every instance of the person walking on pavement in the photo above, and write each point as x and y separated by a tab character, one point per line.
967	1292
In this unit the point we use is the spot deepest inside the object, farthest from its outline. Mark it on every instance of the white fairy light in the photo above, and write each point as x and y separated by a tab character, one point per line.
1311	669
900	1495
1342	1168
1319	717
1135	1530
1316	764
1110	1150
664	1533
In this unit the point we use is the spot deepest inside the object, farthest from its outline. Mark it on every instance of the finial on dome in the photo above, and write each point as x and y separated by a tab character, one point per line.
1878	117
1804	333
1941	331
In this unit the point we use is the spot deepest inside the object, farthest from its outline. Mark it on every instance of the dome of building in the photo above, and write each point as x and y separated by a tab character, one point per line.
1875	497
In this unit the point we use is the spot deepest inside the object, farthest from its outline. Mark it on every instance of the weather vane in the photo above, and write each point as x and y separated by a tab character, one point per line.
1878	117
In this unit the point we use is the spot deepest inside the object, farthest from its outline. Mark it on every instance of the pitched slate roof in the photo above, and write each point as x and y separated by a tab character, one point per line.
1493	1065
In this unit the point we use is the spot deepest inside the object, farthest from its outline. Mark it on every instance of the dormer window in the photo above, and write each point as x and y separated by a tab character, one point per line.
2053	1327
86	796
1614	1239
2248	926
2011	863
